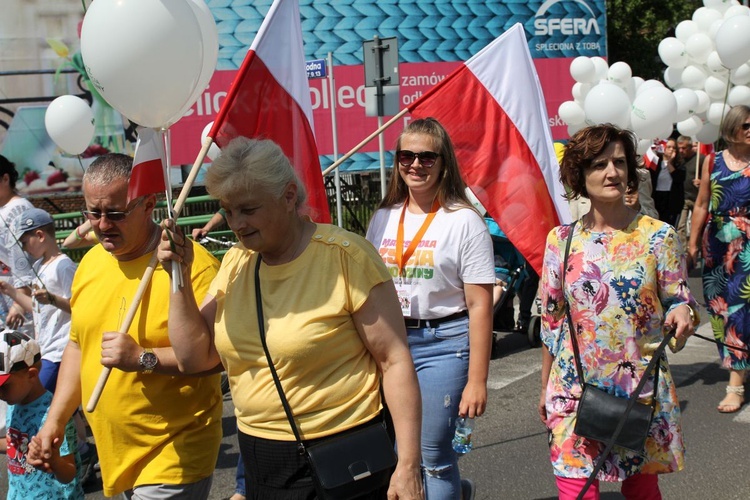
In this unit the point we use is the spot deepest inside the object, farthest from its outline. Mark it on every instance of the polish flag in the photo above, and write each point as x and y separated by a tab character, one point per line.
493	109
148	174
270	99
651	159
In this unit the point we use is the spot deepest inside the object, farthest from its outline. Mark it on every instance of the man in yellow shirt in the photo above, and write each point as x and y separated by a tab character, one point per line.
157	432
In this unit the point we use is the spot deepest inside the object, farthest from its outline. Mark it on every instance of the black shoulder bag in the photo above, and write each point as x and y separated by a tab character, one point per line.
346	465
602	416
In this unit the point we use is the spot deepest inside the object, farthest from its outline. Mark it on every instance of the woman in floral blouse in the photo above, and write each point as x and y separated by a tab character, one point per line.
625	281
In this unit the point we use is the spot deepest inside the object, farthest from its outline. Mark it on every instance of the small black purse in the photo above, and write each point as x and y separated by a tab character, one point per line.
346	465
603	416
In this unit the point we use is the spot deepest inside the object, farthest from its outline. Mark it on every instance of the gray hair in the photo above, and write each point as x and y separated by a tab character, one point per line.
246	165
732	123
108	168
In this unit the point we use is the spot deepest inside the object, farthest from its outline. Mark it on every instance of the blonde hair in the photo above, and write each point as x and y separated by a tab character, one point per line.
246	165
732	123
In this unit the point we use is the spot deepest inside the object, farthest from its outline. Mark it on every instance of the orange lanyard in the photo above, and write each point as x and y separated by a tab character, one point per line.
402	257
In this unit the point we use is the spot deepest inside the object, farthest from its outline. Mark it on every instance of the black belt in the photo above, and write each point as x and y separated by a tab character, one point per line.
433	323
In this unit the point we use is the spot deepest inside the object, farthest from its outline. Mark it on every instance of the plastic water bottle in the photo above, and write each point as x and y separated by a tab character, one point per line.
462	437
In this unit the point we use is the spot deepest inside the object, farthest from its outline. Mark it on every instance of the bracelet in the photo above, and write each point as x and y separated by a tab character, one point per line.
78	235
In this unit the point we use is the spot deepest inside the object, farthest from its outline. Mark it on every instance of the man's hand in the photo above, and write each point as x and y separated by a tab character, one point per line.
120	351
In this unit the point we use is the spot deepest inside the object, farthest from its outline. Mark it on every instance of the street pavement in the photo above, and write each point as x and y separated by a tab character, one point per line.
511	459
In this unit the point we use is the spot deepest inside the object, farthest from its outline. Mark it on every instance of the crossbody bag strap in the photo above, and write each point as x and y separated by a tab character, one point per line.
571	325
276	381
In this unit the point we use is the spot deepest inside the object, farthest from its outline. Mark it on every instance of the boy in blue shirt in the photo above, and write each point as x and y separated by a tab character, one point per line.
28	403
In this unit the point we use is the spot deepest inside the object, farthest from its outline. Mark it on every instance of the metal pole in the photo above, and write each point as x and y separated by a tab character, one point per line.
337	175
381	147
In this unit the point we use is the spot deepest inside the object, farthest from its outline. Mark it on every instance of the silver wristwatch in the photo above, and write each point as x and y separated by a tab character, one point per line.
148	361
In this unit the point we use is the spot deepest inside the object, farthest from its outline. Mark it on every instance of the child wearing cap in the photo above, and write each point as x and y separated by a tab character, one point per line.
50	300
28	403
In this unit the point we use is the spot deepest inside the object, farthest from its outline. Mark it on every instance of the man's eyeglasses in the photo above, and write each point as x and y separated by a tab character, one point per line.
111	216
426	158
746	126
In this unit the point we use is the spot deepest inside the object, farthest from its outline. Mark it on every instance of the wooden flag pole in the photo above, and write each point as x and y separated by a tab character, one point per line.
104	375
365	141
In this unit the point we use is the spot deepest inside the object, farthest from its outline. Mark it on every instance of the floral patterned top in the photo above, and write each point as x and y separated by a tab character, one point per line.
620	285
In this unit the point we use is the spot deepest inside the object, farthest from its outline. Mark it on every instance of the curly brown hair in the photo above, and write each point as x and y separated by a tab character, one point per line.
586	145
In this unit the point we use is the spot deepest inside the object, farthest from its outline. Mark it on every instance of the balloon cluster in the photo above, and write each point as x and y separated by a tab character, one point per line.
149	59
708	65
707	68
611	94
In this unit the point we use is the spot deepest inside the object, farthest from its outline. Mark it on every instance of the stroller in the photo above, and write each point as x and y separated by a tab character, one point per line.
514	273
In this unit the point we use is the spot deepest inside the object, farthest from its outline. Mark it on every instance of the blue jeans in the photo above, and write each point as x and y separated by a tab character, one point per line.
239	485
441	358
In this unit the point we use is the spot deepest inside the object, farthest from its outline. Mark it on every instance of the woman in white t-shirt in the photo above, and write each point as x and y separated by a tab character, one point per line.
439	252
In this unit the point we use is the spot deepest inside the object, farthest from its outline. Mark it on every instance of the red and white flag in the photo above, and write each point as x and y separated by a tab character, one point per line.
270	99
147	176
651	159
493	109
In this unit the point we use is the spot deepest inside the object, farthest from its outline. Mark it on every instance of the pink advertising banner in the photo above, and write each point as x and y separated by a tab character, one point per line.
352	124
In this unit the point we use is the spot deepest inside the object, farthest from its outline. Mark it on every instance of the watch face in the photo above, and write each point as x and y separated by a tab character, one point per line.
148	360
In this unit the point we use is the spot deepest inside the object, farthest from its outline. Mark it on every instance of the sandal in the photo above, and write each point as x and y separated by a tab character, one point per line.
733	392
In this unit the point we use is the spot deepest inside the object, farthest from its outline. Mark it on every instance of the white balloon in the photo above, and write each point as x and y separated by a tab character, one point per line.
637	82
144	56
653	111
741	75
703	101
716	112
715	28
704	17
607	103
709	133
693	77
673	77
687	101
643	145
648	84
739	94
736	10
720	5
715	87
685	29
690	126
210	37
672	52
582	70
698	46
213	151
733	41
601	67
571	113
714	64
666	132
620	73
70	123
580	90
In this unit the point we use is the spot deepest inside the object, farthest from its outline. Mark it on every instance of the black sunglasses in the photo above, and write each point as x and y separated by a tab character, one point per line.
111	216
426	158
745	126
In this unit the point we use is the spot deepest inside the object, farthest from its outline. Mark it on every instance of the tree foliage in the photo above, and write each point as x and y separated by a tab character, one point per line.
635	28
